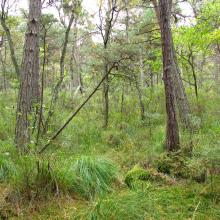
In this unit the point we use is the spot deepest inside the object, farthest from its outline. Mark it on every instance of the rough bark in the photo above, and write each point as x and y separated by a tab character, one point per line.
169	69
29	87
180	94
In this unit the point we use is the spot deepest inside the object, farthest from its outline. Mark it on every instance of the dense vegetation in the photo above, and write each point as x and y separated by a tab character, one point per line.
122	116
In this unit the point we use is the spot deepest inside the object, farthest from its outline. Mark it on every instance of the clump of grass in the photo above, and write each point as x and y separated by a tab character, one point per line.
94	175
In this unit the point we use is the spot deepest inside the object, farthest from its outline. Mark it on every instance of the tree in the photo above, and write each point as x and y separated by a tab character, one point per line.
180	94
106	29
70	8
3	19
29	87
169	69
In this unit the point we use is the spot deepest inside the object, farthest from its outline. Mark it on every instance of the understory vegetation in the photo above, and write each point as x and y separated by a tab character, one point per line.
110	109
119	173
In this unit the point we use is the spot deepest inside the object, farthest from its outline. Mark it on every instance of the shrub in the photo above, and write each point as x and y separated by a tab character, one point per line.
179	166
173	164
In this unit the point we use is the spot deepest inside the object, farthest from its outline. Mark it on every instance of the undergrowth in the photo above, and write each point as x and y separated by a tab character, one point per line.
81	175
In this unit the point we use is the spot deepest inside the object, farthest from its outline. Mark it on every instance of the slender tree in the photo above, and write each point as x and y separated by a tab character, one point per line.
3	19
72	12
106	29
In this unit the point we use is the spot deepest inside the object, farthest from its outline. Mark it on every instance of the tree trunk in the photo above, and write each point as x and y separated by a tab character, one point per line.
29	88
169	69
75	71
40	118
180	94
105	91
192	65
57	87
139	93
3	62
11	46
106	38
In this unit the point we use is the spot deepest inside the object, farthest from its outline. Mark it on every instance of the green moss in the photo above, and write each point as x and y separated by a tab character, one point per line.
138	175
135	174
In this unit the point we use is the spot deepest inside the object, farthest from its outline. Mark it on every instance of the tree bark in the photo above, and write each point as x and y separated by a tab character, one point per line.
169	69
180	94
29	87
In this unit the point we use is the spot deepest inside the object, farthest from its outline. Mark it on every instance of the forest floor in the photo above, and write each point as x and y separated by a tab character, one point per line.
130	150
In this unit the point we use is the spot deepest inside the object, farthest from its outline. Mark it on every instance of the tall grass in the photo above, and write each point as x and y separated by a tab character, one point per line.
94	175
123	206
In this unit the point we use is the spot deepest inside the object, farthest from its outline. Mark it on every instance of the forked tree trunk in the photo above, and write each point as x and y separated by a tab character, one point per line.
29	87
169	69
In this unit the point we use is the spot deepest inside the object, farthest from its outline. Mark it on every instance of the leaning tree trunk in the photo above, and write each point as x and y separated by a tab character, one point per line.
29	87
169	69
11	45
